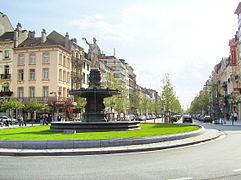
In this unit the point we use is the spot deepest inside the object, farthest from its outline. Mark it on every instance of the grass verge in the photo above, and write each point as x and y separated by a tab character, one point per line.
43	133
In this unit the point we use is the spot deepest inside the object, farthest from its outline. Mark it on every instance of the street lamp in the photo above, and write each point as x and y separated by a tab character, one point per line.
54	94
53	103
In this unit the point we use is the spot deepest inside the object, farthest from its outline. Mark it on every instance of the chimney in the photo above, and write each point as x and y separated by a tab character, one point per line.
31	34
67	44
74	40
19	27
43	36
15	37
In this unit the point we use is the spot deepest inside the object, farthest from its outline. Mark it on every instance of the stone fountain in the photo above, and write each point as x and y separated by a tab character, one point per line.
94	115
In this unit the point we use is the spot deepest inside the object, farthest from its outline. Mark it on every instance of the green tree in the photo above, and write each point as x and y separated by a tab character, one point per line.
135	101
34	106
11	105
81	102
120	102
168	99
201	103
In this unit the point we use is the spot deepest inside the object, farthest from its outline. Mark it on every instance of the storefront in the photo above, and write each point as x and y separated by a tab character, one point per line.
61	110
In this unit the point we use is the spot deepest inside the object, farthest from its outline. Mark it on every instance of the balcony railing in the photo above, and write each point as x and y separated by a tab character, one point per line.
76	76
43	99
5	93
5	76
76	61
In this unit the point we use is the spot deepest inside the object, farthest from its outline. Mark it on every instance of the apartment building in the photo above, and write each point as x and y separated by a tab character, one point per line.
42	68
80	66
9	39
118	68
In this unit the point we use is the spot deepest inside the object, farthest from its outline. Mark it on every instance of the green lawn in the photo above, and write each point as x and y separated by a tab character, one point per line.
43	133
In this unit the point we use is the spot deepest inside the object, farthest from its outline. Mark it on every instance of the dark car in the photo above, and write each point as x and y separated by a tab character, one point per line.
187	118
207	118
174	118
141	118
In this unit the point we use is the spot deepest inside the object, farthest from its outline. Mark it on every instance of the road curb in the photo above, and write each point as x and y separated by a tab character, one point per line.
207	136
95	143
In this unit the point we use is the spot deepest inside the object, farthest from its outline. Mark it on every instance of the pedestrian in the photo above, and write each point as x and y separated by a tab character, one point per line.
19	121
59	118
1	122
227	115
23	121
41	120
49	119
45	120
235	116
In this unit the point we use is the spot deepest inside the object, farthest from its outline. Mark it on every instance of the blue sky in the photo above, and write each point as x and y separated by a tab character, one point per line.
184	38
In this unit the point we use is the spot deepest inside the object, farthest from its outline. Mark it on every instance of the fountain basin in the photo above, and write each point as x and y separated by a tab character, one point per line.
95	126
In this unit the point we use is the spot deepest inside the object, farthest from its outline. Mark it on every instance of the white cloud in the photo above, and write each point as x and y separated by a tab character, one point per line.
185	40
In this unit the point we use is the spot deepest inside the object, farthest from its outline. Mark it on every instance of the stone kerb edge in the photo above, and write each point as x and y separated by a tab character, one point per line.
94	143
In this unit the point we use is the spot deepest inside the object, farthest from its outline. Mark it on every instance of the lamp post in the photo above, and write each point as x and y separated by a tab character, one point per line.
54	106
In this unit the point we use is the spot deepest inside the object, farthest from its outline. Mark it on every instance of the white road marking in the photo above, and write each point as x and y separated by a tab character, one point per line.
182	178
236	170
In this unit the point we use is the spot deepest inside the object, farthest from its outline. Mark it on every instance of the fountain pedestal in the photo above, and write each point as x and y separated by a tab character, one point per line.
94	115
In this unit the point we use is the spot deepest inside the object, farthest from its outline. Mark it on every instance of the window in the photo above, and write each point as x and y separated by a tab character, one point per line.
68	65
88	67
64	63
6	54
45	74
84	65
83	77
64	76
32	59
64	92
118	75
20	59
32	74
5	87
88	77
60	59
68	77
20	92
6	69
60	75
20	75
31	92
45	91
45	58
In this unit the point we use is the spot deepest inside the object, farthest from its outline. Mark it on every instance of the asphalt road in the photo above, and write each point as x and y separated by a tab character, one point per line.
218	159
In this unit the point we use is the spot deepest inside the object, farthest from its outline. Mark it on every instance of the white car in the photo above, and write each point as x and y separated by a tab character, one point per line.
11	120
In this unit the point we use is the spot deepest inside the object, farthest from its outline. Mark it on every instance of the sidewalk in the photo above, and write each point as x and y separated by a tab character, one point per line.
207	135
235	123
17	126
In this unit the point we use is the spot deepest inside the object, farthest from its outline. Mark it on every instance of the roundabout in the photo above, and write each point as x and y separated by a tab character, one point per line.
103	146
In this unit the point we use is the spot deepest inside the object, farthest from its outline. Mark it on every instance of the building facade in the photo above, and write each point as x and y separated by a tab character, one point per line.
9	39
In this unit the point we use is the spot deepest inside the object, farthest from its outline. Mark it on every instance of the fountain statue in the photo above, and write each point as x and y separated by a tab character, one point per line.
94	117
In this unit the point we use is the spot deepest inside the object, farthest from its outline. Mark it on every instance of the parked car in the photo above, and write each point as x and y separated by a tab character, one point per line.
148	117
207	118
153	116
6	119
141	118
187	118
174	118
129	117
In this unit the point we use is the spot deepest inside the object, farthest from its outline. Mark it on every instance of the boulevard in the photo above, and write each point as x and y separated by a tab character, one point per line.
217	159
